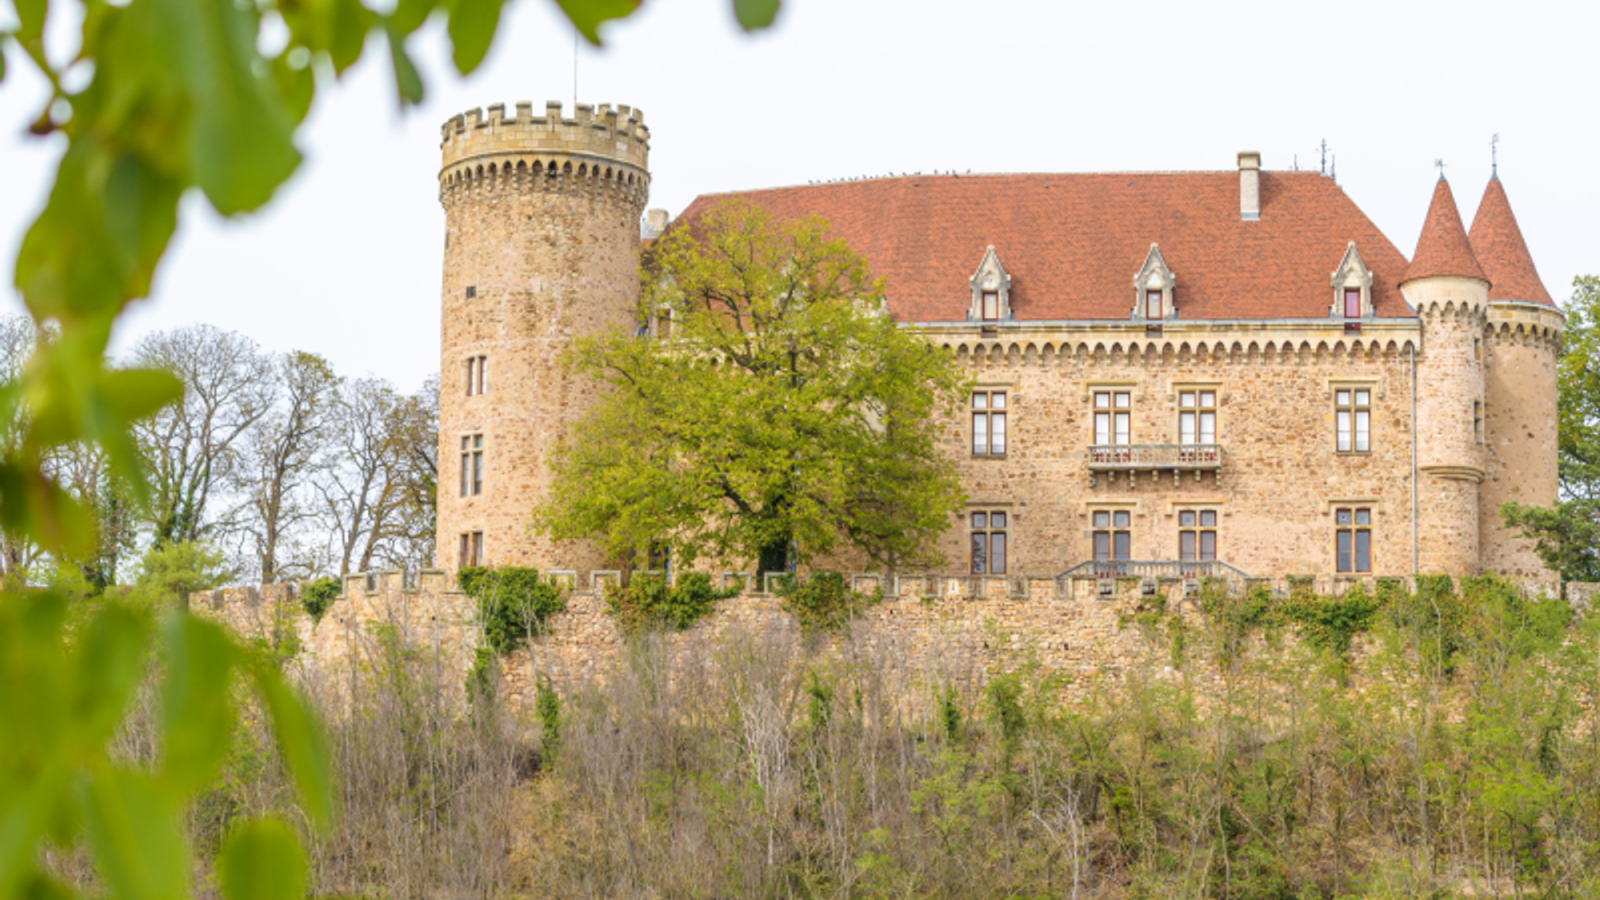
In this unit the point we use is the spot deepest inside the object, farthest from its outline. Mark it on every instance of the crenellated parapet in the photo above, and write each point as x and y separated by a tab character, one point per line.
1515	322
602	152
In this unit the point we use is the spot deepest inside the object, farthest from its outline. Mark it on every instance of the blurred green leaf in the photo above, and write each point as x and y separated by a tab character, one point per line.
97	242
754	14
296	87
33	506
300	741
110	660
132	394
242	142
196	717
472	27
409	15
132	830
30	18
406	79
262	860
587	15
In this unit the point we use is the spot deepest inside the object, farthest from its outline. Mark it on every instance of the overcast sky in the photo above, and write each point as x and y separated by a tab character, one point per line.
346	260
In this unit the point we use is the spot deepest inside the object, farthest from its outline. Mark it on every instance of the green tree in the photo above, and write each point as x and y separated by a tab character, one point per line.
1567	538
788	413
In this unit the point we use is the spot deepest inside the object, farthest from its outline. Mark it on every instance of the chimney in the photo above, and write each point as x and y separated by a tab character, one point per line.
1249	186
655	222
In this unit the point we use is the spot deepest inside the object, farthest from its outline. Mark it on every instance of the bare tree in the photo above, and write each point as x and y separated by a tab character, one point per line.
194	448
377	497
18	334
278	465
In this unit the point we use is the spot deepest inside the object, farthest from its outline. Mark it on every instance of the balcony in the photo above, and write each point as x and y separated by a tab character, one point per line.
1151	572
1174	458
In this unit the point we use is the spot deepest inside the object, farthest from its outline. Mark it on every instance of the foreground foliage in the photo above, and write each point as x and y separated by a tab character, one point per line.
1449	752
176	96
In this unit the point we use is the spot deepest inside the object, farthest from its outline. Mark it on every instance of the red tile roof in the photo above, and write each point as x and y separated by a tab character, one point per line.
1442	248
1072	243
1498	245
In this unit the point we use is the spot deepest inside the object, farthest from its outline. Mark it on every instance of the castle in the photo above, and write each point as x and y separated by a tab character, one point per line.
1176	374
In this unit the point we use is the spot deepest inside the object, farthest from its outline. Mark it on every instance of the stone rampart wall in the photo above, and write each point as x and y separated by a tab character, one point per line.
952	627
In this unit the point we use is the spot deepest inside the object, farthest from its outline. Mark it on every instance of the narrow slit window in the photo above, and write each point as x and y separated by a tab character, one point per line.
471	465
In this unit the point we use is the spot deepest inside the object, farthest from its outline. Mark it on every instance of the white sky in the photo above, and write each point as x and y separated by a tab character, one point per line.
346	260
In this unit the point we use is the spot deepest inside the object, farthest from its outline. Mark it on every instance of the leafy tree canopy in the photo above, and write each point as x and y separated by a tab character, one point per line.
780	407
1567	538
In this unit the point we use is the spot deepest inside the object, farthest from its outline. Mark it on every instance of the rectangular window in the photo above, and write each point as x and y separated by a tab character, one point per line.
471	549
1353	418
1113	417
989	423
1352	303
991	306
1111	536
1197	535
988	543
1197	417
1353	539
664	325
471	465
477	375
1152	304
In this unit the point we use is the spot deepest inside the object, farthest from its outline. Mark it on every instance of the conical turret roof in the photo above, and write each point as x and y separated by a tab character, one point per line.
1498	245
1443	248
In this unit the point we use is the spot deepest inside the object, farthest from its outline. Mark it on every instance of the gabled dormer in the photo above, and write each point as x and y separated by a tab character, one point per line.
1153	289
991	291
1352	288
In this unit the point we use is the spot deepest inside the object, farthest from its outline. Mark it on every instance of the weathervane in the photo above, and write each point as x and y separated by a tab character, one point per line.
1494	156
1440	163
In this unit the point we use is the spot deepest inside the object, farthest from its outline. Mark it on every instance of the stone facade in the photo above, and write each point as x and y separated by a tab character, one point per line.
1459	393
541	246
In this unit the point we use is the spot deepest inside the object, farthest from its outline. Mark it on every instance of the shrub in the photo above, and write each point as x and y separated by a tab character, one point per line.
821	601
648	602
1330	623
318	596
513	603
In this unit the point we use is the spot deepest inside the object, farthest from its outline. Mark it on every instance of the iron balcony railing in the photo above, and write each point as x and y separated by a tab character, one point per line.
1115	457
1156	569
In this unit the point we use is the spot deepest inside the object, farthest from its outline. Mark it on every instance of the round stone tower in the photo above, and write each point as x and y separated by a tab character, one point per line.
541	246
1521	343
1450	292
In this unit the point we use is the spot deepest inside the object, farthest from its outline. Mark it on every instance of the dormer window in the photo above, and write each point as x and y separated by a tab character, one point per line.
991	291
1153	286
1352	288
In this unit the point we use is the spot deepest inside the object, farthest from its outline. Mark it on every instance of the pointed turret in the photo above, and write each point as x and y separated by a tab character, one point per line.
1443	248
1497	243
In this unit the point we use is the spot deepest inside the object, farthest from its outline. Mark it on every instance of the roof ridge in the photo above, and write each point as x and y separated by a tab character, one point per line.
1442	247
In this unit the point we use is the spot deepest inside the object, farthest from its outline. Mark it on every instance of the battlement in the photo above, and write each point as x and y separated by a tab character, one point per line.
1520	321
617	134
